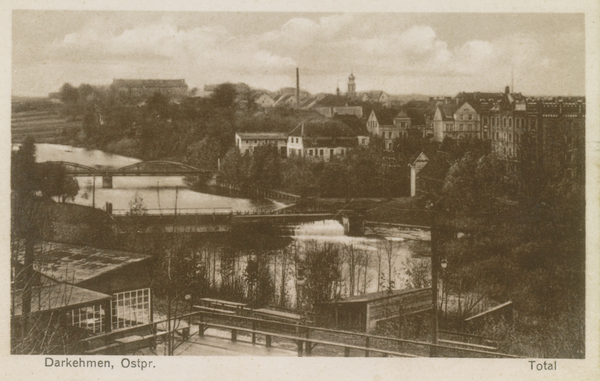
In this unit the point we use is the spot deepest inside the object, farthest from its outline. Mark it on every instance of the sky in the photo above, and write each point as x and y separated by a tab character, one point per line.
400	53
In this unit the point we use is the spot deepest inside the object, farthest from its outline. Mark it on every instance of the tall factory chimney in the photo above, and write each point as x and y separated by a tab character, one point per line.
298	88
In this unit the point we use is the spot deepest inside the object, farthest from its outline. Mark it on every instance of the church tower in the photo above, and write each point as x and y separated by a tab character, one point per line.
351	85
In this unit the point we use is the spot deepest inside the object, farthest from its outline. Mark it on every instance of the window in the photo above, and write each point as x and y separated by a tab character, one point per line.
510	137
130	308
470	116
320	152
310	152
331	152
91	318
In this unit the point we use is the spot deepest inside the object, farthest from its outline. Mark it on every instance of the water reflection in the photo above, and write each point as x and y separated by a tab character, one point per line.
163	194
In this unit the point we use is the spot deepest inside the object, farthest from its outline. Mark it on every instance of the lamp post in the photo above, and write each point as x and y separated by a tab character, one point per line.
443	265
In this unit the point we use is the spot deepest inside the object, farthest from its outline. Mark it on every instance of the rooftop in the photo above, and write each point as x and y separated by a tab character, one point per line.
74	264
329	128
56	296
385	117
262	135
352	121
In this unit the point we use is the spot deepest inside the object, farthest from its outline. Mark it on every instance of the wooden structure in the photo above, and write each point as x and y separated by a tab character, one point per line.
222	305
364	311
97	289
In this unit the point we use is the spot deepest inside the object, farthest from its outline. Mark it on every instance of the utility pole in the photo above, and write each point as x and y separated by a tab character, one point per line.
434	276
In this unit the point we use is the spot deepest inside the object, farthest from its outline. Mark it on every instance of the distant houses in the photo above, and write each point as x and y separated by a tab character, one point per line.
147	87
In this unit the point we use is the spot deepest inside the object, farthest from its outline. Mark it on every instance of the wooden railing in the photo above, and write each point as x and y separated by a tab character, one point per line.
301	336
305	330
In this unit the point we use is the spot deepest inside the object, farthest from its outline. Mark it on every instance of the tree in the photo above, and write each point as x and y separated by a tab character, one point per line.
56	183
24	174
224	96
322	266
69	93
84	91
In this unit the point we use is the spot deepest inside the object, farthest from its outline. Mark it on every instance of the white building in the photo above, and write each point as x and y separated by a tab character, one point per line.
247	142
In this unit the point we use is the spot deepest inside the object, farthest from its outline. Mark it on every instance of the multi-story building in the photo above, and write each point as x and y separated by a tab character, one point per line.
552	130
147	87
389	125
247	142
322	139
457	121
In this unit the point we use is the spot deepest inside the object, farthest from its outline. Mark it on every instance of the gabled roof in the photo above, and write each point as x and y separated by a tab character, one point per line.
416	156
285	98
329	128
372	95
401	114
385	117
331	100
358	126
447	111
75	264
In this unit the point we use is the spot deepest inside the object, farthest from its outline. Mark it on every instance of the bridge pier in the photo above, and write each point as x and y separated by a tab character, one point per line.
353	224
107	182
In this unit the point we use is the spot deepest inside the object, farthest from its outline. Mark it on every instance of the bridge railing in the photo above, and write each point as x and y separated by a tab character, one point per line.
179	211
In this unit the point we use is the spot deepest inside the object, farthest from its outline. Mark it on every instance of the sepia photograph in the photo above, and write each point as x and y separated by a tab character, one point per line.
314	184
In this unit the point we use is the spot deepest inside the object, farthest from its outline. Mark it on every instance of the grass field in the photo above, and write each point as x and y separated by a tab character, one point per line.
45	126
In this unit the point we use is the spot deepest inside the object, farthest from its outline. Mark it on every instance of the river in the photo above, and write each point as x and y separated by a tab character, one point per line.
404	250
158	194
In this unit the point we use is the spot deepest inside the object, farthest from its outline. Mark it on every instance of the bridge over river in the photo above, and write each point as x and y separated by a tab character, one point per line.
145	168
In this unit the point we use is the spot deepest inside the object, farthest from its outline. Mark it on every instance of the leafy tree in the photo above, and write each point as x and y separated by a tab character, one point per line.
158	104
84	91
24	174
56	183
69	93
224	96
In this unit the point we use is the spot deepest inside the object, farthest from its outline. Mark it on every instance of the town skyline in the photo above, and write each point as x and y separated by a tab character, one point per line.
397	53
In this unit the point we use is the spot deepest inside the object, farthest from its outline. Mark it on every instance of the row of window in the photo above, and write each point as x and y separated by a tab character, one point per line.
131	308
256	142
321	152
127	309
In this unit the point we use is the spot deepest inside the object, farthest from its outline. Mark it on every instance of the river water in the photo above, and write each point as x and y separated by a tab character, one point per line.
403	249
159	194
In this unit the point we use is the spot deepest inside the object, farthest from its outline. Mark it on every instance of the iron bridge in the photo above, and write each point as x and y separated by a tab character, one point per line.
144	168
